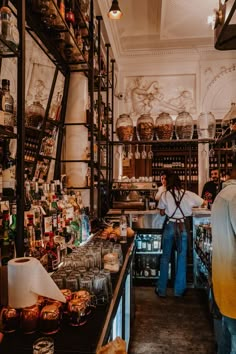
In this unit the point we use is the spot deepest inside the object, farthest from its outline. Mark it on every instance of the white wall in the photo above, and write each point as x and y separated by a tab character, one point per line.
208	74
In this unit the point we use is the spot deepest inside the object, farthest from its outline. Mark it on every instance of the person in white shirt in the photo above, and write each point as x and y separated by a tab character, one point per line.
176	204
162	188
223	223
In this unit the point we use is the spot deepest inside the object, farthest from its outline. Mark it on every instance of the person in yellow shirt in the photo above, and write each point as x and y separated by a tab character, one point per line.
223	219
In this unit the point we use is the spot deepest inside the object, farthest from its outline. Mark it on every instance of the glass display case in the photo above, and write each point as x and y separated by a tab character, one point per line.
202	248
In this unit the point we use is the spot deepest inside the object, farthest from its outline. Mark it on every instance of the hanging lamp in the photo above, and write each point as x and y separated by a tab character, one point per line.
115	12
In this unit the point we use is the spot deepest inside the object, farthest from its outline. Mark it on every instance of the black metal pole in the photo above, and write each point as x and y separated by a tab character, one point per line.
112	118
91	96
20	165
99	18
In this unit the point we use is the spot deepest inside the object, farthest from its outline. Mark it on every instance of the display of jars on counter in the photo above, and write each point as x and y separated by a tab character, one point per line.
184	126
145	127
124	128
206	126
164	126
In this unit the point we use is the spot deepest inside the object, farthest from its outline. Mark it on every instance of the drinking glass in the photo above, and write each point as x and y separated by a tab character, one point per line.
150	153
144	153
117	154
130	153
43	345
137	153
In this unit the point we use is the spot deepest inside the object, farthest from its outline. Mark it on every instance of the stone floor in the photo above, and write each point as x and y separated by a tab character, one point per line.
171	325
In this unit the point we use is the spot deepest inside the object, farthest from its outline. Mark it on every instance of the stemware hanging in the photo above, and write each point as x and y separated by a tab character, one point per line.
137	153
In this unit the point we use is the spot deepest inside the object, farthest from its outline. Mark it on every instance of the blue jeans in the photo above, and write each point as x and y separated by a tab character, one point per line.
227	339
168	240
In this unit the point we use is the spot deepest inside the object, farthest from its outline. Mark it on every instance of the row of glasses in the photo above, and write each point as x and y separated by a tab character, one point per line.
143	154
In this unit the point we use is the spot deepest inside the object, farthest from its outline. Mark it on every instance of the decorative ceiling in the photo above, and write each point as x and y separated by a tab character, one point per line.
151	25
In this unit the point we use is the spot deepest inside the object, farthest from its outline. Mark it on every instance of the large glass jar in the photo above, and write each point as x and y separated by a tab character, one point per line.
164	126
124	128
35	115
145	127
184	126
206	126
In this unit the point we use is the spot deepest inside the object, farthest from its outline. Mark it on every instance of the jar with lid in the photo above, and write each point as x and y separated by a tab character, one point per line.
35	115
164	126
206	126
8	30
145	127
229	121
184	126
124	128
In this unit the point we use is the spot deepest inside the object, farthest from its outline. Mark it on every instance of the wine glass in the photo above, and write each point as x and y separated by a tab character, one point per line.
211	152
123	154
144	153
130	153
117	154
150	153
137	153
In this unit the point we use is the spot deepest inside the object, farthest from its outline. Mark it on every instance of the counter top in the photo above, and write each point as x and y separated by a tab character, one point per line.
201	211
136	212
84	339
196	211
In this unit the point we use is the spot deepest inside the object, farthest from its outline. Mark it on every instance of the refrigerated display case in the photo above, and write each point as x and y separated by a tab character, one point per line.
202	248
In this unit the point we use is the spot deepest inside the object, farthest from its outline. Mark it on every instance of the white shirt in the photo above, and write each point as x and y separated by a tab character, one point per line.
188	201
223	223
161	189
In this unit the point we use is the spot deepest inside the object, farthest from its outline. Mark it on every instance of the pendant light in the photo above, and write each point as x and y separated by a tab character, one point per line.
115	12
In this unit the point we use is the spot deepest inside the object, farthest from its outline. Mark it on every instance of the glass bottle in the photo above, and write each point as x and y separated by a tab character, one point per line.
164	126
123	229
124	128
206	126
8	172
145	127
7	105
55	108
48	143
184	126
8	30
7	244
35	115
53	253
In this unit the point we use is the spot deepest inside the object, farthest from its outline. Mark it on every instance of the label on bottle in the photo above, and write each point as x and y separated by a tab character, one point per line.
9	177
47	224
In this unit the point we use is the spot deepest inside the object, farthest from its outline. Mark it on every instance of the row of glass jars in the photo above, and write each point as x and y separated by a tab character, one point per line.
164	127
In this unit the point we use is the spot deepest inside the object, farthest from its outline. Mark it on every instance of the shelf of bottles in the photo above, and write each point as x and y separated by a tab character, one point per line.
54	223
63	30
147	256
203	253
179	158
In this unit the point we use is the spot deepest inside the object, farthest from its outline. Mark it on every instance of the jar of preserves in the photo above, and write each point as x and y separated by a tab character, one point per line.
145	127
164	126
124	128
184	126
206	126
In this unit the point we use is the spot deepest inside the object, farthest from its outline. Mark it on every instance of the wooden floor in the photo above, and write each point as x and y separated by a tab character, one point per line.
171	325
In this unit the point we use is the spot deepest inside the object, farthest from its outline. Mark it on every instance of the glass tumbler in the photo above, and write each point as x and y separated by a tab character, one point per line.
43	345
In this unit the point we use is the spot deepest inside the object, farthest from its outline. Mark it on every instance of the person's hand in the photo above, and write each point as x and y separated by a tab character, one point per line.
1	336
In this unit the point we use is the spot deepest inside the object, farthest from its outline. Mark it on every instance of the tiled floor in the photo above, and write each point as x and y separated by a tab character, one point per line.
171	325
